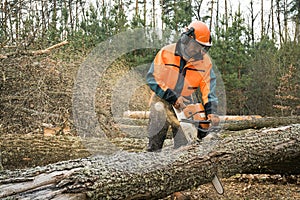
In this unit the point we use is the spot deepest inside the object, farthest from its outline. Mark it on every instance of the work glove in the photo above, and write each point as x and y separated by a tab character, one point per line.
215	120
180	103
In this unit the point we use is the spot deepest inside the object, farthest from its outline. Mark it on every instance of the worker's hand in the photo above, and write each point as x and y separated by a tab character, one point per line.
215	120
180	103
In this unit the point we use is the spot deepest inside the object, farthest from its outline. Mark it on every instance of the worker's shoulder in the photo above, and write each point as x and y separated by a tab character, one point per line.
205	62
169	47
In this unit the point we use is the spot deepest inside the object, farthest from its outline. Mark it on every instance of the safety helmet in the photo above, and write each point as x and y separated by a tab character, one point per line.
201	32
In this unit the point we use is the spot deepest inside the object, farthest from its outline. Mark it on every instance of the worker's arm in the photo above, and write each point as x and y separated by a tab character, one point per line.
156	78
208	91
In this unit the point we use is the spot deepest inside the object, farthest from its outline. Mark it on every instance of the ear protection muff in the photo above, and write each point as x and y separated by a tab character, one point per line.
185	36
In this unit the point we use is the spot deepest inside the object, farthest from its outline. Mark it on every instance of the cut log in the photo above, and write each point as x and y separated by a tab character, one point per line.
239	117
136	114
259	123
145	175
145	115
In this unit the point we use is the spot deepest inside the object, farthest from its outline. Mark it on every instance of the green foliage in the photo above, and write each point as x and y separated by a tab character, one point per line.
252	70
176	14
230	53
118	22
91	30
263	73
137	22
141	56
288	89
2	35
295	9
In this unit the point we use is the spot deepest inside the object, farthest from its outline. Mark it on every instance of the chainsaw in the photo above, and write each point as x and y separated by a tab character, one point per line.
194	123
195	127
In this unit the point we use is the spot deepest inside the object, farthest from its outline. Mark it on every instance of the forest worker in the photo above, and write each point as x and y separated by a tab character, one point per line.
177	71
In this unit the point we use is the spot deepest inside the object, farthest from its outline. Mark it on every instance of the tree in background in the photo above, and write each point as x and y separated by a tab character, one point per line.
295	13
288	93
263	70
176	14
252	55
230	55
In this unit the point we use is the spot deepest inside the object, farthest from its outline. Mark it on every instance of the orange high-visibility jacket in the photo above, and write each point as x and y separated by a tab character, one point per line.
170	76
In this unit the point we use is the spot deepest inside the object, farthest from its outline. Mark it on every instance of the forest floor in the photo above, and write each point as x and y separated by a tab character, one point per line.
250	187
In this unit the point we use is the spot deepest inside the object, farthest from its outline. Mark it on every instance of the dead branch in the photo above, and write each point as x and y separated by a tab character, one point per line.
37	52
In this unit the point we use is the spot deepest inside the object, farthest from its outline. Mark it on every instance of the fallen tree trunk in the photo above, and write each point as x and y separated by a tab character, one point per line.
29	150
19	151
125	175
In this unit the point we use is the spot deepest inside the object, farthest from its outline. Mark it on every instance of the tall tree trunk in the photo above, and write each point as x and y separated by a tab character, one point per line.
285	14
10	20
175	10
162	14
278	7
145	13
217	16
226	15
4	19
70	8
17	20
76	15
124	175
211	14
43	21
262	19
297	31
252	22
272	20
198	9
136	7
54	18
153	14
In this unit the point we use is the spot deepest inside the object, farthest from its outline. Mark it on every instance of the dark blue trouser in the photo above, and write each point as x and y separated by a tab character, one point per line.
159	123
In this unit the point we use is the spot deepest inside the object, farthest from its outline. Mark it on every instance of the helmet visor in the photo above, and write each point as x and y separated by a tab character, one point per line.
193	49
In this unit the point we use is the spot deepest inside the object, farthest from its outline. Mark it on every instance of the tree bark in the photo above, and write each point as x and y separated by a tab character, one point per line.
145	175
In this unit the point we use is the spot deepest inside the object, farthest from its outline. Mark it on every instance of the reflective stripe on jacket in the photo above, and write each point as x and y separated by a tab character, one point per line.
170	76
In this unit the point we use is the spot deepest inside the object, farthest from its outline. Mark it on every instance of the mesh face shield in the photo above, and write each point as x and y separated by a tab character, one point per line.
191	49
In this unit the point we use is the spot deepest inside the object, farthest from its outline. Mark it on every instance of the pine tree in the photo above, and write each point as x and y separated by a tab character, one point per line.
176	14
288	92
230	56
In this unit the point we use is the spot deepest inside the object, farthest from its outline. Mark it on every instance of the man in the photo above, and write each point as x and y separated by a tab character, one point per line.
177	71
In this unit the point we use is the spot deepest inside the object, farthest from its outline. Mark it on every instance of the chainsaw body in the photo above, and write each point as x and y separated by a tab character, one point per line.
193	121
196	113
